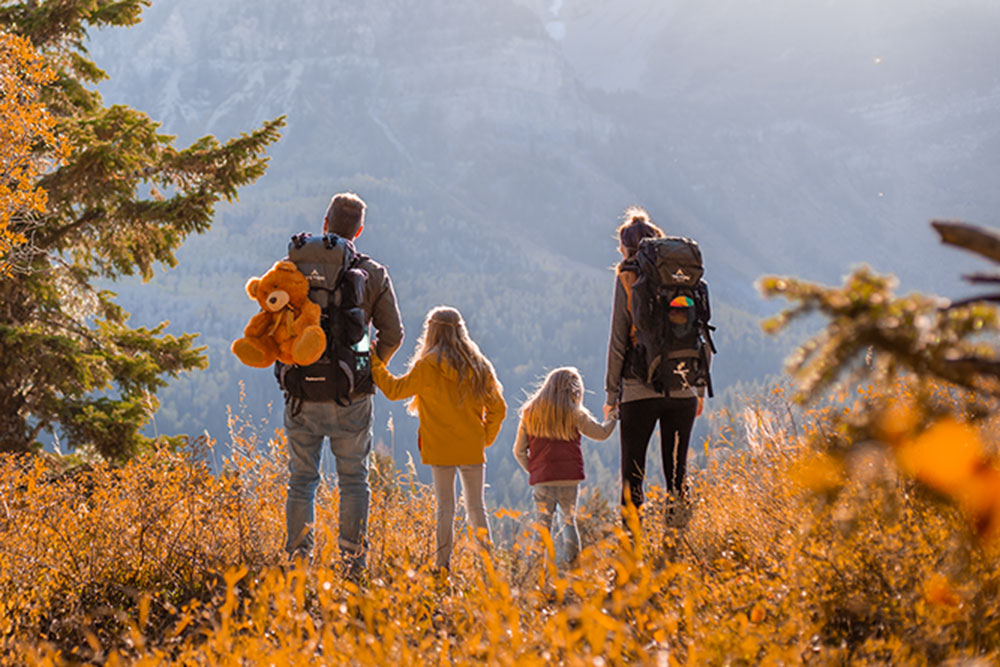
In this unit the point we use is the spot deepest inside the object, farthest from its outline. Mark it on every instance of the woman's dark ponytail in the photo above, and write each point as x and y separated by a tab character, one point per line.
637	226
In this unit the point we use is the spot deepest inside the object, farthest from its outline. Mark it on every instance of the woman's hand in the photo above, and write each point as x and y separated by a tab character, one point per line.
701	406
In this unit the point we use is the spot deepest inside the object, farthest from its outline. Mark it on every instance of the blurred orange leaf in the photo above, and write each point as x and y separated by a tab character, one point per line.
980	498
944	457
938	590
819	472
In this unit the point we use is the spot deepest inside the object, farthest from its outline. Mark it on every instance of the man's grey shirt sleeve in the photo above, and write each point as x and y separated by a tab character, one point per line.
381	303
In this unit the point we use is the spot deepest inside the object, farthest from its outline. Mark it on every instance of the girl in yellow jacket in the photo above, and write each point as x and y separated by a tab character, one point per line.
454	392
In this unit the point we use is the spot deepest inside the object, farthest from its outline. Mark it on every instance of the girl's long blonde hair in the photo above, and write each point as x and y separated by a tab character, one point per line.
551	411
446	338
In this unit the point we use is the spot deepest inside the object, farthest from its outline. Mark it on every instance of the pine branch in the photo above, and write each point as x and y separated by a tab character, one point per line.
912	332
52	239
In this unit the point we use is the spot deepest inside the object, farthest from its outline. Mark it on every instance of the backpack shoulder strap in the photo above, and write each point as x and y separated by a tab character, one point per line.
358	259
325	258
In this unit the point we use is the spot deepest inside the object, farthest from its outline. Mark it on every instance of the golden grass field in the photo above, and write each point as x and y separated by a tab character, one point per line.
808	541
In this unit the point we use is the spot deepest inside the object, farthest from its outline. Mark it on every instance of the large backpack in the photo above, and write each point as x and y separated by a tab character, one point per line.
337	285
670	311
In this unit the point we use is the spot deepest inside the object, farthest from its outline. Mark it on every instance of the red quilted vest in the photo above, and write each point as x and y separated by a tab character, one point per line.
552	460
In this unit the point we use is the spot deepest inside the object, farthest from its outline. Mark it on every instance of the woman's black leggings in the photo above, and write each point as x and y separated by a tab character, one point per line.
637	421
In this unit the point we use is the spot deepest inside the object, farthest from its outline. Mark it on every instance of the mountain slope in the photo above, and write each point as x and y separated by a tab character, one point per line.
497	142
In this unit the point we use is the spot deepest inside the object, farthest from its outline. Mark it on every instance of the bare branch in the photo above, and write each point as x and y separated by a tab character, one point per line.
983	298
980	240
975	365
982	278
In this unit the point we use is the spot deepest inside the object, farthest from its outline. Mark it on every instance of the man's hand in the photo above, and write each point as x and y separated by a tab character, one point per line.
608	409
701	406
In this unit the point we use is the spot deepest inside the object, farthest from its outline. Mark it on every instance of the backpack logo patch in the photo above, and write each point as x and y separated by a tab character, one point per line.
681	371
316	276
680	277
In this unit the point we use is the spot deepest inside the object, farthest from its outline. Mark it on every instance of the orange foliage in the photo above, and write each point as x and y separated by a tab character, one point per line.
951	458
29	144
788	554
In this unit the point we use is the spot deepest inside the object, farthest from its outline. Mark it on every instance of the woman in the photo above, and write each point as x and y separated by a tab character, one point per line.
640	406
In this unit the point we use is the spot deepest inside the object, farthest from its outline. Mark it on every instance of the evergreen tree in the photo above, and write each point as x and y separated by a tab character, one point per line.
124	201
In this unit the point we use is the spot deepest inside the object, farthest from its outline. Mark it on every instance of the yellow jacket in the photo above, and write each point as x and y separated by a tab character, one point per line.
452	431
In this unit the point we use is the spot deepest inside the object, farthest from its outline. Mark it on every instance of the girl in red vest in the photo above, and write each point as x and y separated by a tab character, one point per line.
548	447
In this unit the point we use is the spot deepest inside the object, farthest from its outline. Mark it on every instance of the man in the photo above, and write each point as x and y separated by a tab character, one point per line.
349	427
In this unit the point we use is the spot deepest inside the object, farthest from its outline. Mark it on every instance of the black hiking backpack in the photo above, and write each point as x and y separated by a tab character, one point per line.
337	285
670	314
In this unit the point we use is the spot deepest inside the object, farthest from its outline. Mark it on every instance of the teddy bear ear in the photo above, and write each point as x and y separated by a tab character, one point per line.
251	288
284	266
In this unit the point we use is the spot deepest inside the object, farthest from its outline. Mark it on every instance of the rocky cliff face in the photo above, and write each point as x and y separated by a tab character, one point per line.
470	106
802	124
396	65
761	127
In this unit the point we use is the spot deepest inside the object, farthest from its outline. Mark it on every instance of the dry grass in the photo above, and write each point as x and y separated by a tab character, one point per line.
797	549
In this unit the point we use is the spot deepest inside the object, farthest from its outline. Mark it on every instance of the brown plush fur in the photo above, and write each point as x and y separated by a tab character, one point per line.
287	327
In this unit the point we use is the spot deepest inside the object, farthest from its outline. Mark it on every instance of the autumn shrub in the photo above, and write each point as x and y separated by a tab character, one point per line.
853	556
794	549
30	146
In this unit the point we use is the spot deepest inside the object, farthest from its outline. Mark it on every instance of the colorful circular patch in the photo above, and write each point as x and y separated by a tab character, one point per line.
681	302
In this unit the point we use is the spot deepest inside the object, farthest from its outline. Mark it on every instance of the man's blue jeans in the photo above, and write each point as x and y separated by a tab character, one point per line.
350	431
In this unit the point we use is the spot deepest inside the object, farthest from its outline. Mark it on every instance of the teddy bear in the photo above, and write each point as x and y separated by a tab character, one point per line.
287	327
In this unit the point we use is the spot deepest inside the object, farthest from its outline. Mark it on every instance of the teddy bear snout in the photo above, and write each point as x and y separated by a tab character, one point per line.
277	300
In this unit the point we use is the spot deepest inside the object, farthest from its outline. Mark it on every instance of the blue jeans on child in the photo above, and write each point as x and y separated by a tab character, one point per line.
550	496
349	429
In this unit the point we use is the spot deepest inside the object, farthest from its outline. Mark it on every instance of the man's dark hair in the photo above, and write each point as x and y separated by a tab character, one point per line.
345	215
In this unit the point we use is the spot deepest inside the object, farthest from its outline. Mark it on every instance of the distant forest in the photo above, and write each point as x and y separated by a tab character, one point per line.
496	153
529	312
